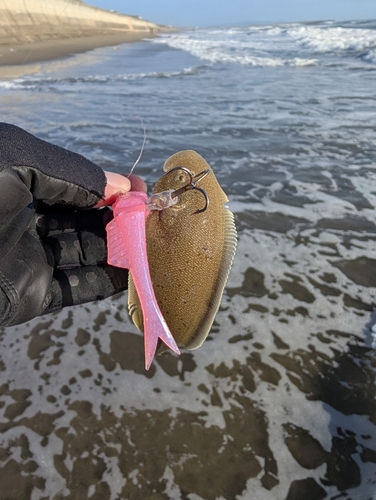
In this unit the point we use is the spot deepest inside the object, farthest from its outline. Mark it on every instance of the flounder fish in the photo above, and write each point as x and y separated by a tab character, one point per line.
190	249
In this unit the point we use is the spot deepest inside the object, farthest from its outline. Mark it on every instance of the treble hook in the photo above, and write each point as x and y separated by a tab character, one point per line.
191	185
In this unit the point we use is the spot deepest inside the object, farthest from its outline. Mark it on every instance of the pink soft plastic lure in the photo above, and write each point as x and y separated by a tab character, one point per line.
126	247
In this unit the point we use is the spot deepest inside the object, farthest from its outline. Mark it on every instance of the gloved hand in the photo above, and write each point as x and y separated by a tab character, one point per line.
52	239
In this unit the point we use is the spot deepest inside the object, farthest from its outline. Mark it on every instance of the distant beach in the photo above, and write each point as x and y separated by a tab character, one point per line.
38	30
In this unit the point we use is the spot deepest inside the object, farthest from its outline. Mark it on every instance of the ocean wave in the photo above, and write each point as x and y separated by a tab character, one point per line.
335	39
370	56
230	49
36	82
276	45
16	85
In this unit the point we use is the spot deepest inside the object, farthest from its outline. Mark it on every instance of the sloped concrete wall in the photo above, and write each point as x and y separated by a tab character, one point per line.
33	20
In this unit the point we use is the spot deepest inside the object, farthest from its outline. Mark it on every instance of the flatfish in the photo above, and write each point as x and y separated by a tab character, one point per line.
190	249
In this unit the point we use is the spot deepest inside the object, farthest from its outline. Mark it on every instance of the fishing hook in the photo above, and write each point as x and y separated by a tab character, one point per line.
191	185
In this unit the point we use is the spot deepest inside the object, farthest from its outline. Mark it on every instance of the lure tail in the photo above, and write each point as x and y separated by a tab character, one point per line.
126	247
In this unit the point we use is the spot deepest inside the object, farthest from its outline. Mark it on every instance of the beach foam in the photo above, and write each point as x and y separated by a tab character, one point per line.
334	38
225	50
251	45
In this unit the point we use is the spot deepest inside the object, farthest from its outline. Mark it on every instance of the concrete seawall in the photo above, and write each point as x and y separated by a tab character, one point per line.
28	21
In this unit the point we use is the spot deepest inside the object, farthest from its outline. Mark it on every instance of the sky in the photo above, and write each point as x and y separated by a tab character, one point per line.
191	13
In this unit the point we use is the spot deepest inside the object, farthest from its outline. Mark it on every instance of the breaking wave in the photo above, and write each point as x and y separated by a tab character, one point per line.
269	45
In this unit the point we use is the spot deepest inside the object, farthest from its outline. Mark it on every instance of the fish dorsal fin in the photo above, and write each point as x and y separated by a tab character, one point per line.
229	248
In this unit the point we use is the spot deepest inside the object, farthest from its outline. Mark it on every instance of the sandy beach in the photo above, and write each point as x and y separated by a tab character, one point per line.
38	30
279	403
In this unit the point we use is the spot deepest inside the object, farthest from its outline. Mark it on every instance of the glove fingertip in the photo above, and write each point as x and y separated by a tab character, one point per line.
115	185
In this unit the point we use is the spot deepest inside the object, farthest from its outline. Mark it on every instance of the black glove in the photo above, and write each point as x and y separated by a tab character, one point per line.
52	252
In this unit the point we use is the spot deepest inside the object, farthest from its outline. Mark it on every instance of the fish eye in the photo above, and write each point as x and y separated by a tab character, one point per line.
184	176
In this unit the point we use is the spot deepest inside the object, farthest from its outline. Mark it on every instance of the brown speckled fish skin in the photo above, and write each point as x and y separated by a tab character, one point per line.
190	255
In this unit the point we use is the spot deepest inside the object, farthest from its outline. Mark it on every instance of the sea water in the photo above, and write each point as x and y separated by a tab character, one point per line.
279	403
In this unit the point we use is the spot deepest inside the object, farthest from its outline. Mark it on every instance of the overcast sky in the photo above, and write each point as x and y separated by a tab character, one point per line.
226	12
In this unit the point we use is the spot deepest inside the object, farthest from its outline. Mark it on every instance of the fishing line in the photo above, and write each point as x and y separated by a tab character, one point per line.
143	142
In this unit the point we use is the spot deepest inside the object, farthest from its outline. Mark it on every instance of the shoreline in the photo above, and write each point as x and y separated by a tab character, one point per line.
36	31
50	50
29	58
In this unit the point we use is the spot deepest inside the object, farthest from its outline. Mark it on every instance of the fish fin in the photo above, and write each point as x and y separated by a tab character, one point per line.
134	305
229	248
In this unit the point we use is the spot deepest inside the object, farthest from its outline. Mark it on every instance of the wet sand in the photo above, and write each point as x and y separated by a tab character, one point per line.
26	53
